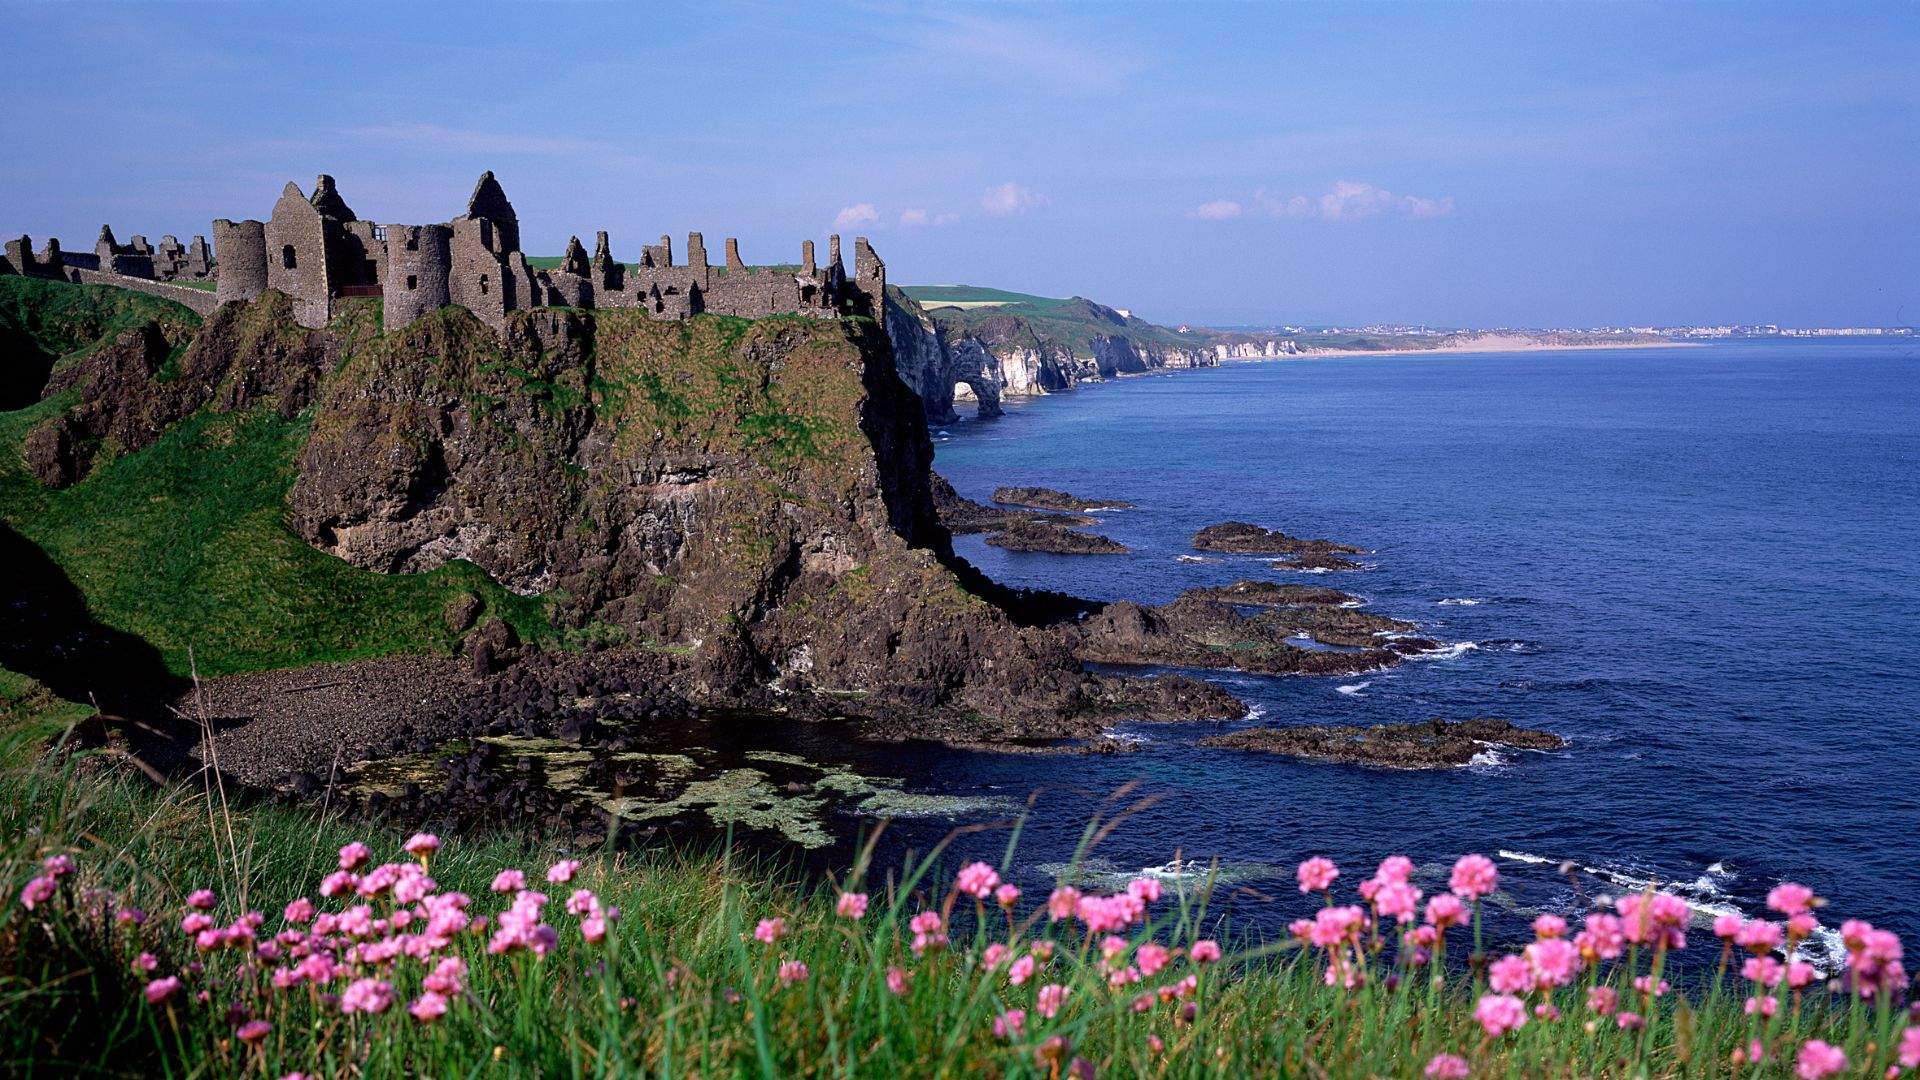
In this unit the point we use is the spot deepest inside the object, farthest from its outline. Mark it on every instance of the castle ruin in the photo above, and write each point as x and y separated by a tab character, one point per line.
318	252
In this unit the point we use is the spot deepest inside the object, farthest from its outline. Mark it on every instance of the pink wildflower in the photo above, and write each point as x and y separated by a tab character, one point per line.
201	899
1788	898
1335	925
1500	1013
366	996
1205	951
146	961
1006	896
339	883
594	928
132	916
1394	868
1764	970
793	971
194	922
928	932
851	905
253	1031
1549	926
299	912
1802	925
1817	1059
896	981
428	1007
1048	1001
1317	874
1555	961
1446	910
1510	975
1473	877
1603	938
1447	1067
421	845
355	855
1062	903
1022	970
1144	889
160	990
1758	936
1603	1000
977	880
582	902
57	866
1630	1021
1397	900
995	955
1910	1048
1008	1024
1762	1005
507	881
1151	958
1727	927
38	891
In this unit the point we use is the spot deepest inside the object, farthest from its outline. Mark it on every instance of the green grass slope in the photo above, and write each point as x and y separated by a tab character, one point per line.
182	543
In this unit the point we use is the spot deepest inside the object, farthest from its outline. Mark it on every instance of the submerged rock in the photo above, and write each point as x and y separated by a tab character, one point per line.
1273	594
1316	562
1029	535
1202	633
1048	499
962	515
1242	538
1434	744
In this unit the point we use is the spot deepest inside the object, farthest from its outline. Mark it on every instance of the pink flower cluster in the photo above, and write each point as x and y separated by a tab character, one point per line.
40	889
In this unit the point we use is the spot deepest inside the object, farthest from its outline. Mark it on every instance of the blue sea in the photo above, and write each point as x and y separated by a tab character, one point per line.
1699	565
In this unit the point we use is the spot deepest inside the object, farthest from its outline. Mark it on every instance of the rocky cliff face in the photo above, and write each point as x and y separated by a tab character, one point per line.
750	503
938	372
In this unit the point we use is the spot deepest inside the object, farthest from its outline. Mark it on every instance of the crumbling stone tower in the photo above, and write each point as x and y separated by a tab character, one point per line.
419	265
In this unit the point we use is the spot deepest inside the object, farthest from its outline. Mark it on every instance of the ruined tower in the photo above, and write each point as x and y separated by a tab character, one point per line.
419	260
242	248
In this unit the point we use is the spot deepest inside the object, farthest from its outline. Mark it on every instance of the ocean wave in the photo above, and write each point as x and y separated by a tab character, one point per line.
1490	758
1353	689
1452	651
1706	896
1463	601
1105	874
1194	559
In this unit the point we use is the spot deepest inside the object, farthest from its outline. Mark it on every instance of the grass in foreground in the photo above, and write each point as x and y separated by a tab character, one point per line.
157	933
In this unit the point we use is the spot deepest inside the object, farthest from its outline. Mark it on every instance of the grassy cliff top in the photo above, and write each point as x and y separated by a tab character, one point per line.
999	316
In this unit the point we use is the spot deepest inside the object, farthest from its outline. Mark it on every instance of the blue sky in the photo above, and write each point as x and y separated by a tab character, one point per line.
1240	163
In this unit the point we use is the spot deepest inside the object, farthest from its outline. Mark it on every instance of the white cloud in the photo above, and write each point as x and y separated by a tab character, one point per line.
1352	200
1005	200
1219	210
856	215
913	217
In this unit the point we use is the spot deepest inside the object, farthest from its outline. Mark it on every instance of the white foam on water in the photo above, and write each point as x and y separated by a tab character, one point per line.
1193	558
1463	601
1353	689
1490	758
1454	651
1706	897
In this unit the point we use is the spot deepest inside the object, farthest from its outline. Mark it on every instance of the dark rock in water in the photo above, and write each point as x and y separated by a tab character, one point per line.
1056	539
1315	562
1435	744
1048	499
1272	594
1173	698
1201	633
460	612
962	515
1242	538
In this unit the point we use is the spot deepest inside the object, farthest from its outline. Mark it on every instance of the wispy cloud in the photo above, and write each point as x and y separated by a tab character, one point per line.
470	141
1066	56
1346	200
1218	210
1005	200
856	215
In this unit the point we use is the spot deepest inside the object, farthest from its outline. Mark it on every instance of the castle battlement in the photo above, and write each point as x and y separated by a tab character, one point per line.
317	251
